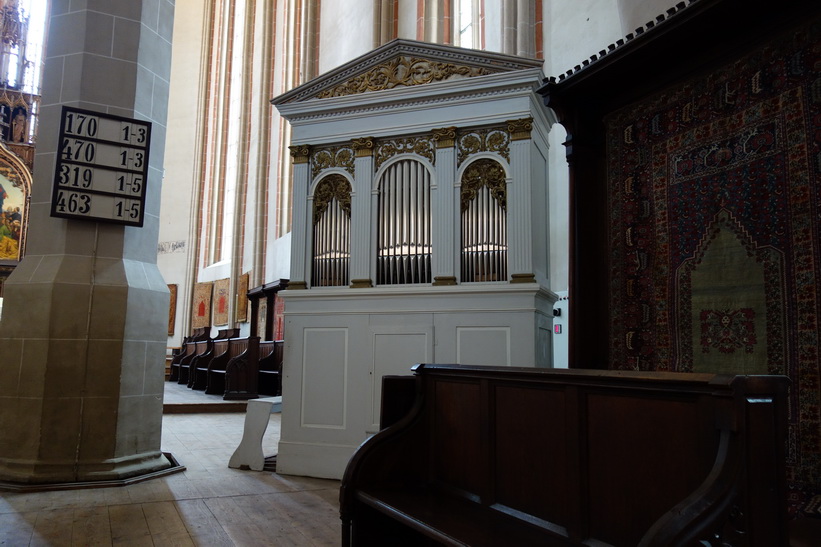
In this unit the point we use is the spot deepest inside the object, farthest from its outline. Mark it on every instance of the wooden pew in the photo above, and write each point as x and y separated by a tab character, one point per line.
188	347
270	367
202	349
226	373
200	366
512	456
185	350
242	373
216	372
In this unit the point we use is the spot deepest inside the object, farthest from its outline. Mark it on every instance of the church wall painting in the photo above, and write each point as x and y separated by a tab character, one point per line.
12	210
242	297
222	288
172	308
201	311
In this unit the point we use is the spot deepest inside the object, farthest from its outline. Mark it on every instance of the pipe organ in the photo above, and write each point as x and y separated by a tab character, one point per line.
420	234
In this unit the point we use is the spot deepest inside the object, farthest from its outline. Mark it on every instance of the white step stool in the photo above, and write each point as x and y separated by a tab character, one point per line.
249	452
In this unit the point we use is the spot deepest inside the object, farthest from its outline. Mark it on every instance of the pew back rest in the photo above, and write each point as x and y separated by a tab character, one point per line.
266	348
270	355
237	347
220	347
588	455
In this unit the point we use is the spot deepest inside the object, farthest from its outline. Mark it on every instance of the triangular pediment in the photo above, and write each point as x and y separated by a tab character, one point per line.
405	63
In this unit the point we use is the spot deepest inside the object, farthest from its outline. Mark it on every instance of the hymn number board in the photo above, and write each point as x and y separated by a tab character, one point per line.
102	168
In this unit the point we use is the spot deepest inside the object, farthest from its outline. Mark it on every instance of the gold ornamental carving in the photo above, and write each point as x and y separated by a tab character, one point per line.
402	72
484	172
330	188
444	137
300	153
422	146
333	156
483	140
520	129
363	147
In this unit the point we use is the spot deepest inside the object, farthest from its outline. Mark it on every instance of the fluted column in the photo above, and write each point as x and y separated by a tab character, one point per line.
442	201
520	209
361	214
301	223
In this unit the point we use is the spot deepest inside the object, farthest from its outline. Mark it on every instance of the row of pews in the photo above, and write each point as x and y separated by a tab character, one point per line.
235	367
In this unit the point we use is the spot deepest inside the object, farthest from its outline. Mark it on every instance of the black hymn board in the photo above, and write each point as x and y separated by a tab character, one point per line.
102	168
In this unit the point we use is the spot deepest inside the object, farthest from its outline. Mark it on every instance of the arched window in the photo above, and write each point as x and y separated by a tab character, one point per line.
484	222
332	232
403	231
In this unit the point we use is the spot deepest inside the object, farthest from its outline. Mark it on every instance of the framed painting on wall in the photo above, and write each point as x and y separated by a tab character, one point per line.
222	288
201	312
242	297
172	309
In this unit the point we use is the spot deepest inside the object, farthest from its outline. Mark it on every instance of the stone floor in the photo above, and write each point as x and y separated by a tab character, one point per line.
207	504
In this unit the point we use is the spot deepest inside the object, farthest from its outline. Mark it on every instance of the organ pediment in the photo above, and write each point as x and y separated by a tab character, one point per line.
405	63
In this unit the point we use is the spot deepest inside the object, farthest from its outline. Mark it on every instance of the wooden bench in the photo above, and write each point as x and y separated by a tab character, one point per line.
188	347
200	347
512	456
242	373
201	365
233	374
270	367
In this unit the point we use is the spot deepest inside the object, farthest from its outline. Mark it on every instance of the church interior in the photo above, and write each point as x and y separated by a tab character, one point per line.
548	266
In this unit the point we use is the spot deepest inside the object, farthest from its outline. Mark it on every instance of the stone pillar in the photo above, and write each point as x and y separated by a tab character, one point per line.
444	208
300	252
520	206
361	214
83	332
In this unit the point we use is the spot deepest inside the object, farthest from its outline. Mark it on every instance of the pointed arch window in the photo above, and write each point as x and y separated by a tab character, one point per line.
484	222
332	232
404	228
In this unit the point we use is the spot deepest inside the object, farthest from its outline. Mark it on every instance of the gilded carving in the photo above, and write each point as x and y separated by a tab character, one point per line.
330	188
300	153
333	156
423	146
402	71
363	147
484	172
520	129
444	137
483	140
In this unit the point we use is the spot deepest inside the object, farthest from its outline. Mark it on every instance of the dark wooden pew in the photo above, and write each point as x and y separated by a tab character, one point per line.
216	371
233	374
200	366
493	456
242	373
202	349
270	367
188	346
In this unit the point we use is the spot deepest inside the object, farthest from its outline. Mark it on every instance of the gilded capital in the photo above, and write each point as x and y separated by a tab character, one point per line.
300	153
444	137
520	129
363	147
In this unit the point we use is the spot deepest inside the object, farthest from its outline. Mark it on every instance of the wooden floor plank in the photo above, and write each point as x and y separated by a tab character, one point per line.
235	522
162	518
91	526
173	540
201	523
16	528
53	528
127	523
278	527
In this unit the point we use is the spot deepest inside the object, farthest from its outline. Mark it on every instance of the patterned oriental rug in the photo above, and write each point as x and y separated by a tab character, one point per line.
715	231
